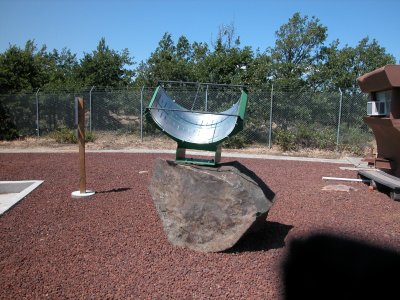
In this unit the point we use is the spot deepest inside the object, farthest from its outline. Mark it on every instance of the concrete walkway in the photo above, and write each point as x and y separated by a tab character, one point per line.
356	161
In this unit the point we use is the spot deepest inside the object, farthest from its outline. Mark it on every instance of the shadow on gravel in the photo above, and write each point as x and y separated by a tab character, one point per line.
117	190
270	236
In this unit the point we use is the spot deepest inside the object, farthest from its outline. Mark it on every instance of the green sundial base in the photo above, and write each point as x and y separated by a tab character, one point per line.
197	161
182	159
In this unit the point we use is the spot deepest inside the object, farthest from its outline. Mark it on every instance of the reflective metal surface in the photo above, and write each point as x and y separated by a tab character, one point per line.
192	126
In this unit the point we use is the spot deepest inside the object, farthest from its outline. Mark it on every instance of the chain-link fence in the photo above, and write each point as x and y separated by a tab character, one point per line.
289	119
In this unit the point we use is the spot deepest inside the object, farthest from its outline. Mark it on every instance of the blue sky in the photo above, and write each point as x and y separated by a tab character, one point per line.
139	24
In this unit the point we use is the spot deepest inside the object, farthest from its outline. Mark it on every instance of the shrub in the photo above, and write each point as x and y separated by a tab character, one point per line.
355	139
325	138
65	135
305	136
285	139
89	137
238	141
8	130
149	126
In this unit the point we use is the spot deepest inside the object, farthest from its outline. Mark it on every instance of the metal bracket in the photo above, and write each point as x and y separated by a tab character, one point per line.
181	157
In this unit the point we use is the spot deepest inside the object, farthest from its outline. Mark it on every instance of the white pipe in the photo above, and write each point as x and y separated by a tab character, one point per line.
346	179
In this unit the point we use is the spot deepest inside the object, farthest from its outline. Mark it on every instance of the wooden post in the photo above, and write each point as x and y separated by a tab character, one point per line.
80	119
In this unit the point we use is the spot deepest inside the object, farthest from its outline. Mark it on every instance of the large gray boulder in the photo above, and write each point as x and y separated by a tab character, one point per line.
208	209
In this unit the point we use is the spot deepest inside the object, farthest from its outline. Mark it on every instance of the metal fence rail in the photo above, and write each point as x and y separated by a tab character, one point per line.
269	112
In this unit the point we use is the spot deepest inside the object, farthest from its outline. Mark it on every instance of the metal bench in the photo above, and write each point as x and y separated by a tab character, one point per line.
384	179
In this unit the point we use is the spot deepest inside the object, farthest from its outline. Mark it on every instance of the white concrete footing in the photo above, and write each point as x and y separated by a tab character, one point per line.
78	194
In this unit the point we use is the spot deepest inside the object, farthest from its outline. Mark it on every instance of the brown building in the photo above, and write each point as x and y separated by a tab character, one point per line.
383	110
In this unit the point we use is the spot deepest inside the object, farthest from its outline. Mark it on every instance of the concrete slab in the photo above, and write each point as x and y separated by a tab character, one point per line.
11	192
357	162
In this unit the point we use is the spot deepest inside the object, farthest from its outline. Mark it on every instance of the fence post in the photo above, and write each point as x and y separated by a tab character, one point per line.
339	118
141	114
270	118
90	109
37	113
206	105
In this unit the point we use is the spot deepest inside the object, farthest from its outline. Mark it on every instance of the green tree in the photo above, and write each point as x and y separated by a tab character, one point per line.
200	52
23	69
260	70
183	49
228	62
105	67
341	67
167	62
297	49
62	70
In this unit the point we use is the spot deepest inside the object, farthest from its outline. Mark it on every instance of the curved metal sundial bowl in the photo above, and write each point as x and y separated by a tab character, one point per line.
198	130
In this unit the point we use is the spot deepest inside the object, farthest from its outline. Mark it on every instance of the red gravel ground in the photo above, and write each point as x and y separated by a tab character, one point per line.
112	245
